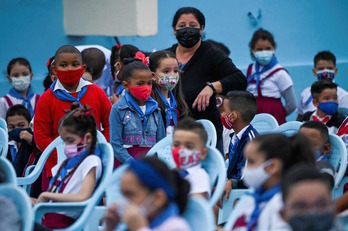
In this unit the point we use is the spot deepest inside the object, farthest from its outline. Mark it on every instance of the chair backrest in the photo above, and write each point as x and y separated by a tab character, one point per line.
22	203
289	128
164	151
343	111
3	143
199	214
3	124
211	132
338	157
214	164
7	168
264	123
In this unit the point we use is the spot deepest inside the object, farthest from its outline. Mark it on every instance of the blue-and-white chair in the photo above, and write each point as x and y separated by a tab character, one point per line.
264	123
289	128
87	206
3	124
338	157
3	143
211	132
22	203
163	151
10	173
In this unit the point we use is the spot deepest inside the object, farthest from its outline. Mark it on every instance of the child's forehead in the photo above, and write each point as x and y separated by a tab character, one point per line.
142	75
15	119
19	67
68	57
322	63
329	91
308	190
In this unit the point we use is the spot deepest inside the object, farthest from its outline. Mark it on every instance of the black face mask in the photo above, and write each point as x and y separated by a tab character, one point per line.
188	36
313	222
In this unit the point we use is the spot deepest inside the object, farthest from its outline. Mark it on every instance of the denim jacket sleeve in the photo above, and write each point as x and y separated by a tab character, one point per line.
116	129
161	132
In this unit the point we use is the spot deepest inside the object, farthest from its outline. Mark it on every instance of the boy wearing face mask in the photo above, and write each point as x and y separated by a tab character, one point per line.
67	89
19	74
22	150
324	69
324	94
188	149
307	200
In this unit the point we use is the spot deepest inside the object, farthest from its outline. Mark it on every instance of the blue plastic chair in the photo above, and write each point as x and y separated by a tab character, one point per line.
3	143
289	128
9	171
211	132
3	124
22	203
343	111
163	151
264	123
338	157
87	206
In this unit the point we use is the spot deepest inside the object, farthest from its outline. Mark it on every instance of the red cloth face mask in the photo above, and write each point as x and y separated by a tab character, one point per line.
226	122
70	77
141	92
185	158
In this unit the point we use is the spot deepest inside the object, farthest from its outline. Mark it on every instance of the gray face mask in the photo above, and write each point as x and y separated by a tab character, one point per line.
313	222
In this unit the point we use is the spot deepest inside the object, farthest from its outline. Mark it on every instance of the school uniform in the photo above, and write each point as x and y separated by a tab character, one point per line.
267	83
198	178
306	100
14	97
236	151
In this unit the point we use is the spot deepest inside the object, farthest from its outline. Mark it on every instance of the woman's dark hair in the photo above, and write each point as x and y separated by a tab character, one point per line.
20	61
290	150
189	10
179	184
154	62
261	34
132	67
19	110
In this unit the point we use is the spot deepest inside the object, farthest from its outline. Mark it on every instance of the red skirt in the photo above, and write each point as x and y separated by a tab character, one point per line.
135	152
271	106
57	221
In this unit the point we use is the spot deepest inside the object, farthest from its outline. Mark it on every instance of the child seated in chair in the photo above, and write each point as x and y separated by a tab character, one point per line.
239	110
188	150
22	151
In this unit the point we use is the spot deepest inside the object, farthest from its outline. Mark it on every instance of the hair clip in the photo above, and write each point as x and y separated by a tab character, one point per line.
118	46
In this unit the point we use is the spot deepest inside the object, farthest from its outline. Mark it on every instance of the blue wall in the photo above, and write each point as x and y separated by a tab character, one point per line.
34	29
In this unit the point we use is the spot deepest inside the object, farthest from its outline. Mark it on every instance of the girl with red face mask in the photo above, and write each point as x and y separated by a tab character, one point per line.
135	120
67	89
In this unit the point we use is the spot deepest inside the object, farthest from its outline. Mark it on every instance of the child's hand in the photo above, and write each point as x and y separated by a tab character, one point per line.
25	135
134	219
114	98
33	201
42	198
227	191
111	217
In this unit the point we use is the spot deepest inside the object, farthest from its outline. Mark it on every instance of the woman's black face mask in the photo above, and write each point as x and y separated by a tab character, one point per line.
188	36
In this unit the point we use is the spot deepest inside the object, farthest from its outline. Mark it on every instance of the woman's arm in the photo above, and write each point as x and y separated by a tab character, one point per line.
85	192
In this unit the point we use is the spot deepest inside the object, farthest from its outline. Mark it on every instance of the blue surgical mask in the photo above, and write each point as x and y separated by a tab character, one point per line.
329	108
20	83
264	57
326	74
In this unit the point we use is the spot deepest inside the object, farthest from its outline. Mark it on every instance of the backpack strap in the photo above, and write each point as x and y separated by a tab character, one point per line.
8	100
267	76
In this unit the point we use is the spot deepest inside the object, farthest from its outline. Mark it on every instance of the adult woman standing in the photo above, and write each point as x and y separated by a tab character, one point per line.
206	70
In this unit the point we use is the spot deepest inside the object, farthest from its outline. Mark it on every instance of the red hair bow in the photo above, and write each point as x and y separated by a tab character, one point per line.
140	56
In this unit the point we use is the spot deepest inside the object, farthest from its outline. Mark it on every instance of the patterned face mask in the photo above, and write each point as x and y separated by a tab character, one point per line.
168	81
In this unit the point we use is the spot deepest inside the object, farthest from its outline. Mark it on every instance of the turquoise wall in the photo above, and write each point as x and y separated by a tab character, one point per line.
34	29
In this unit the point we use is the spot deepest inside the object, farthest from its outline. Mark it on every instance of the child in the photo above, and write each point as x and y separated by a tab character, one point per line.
155	197
67	89
269	158
50	77
324	69
94	59
188	150
135	120
22	148
324	94
19	75
307	200
75	178
318	134
166	88
268	80
239	110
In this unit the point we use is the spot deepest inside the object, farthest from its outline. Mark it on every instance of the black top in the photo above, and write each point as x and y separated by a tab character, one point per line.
209	64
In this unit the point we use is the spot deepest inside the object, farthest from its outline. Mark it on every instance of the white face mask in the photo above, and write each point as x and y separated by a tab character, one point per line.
255	177
264	57
21	83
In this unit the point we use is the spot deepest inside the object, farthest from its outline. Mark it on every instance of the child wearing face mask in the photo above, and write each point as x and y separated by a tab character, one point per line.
135	120
166	88
19	74
75	178
268	80
324	94
269	157
324	69
67	89
154	198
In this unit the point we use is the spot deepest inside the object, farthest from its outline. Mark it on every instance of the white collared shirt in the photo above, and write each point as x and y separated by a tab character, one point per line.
82	83
198	179
239	135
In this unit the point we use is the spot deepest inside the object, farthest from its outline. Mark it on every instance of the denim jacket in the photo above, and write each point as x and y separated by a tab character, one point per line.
126	129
